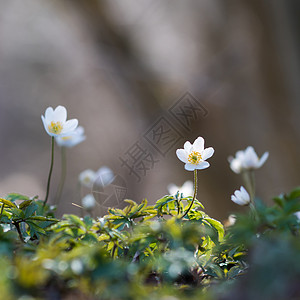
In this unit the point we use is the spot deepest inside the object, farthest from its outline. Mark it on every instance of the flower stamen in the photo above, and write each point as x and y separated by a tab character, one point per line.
194	158
55	127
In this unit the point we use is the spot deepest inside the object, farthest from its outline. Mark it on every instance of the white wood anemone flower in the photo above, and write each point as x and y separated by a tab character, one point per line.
74	138
241	197
87	178
88	202
194	155
187	189
55	122
104	176
246	160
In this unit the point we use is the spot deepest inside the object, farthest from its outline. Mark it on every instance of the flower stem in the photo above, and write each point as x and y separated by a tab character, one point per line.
195	194
50	171
249	178
62	175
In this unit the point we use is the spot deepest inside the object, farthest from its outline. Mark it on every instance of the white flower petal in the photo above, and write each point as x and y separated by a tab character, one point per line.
187	146
198	144
190	167
49	113
60	114
187	188
202	165
236	166
69	126
173	189
244	193
263	159
234	199
182	155
45	124
238	194
80	130
240	155
251	158
207	153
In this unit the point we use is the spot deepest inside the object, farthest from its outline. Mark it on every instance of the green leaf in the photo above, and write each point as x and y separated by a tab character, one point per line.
35	229
29	211
8	203
163	201
279	201
41	218
25	203
294	193
217	225
75	220
16	196
17	214
233	272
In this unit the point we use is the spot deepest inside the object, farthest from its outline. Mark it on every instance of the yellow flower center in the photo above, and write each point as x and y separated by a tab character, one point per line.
66	138
194	158
55	127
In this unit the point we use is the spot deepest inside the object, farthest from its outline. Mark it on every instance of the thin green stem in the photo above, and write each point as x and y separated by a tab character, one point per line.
252	181
178	206
195	194
62	175
50	171
249	178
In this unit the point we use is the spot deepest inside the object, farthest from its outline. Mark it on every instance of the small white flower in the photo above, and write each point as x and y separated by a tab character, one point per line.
194	155
87	178
104	176
241	197
74	138
187	189
55	121
88	202
246	160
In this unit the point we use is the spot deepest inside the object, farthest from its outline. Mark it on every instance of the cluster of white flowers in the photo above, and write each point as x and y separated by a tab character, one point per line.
88	178
195	155
103	177
67	134
245	160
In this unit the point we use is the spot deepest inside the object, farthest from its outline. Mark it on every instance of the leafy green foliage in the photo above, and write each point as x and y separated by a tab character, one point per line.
149	252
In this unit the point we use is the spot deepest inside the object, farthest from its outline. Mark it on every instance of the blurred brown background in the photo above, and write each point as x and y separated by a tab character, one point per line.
119	65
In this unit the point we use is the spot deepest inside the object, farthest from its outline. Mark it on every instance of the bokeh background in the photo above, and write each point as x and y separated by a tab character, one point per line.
119	65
